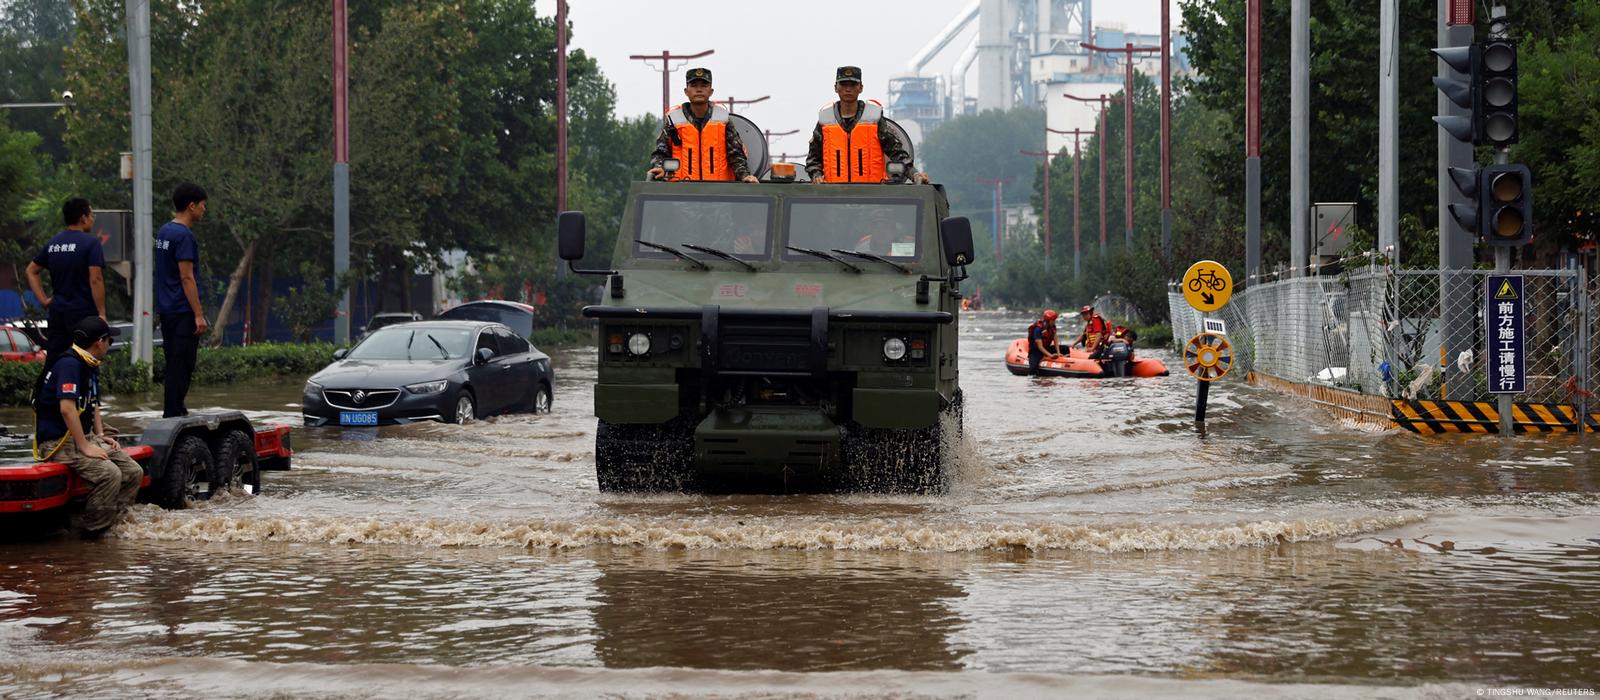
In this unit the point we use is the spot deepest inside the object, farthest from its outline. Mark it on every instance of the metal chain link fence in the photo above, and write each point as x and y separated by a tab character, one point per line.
1415	334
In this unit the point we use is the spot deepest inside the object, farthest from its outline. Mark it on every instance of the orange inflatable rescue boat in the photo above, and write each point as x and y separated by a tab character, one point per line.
1076	363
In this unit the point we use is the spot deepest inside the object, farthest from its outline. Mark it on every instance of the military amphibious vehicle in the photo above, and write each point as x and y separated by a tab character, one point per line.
778	337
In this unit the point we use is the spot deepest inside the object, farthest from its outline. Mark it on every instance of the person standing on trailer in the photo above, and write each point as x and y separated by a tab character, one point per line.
177	281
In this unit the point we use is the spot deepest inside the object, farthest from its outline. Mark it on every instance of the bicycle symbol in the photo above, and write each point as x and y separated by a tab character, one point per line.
1207	278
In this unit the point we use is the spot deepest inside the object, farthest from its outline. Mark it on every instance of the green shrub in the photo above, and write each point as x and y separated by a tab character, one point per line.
545	338
214	366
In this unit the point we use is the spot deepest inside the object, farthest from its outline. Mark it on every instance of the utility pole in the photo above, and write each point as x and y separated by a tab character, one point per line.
1127	126
341	169
138	19
1166	128
1252	141
1300	136
731	101
1389	131
999	193
1455	27
1100	136
561	108
1046	155
1077	200
666	58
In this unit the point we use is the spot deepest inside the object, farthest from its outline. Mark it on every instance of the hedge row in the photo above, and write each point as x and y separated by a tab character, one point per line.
215	366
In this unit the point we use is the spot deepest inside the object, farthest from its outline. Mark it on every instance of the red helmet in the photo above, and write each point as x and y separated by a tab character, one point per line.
1087	309
1050	314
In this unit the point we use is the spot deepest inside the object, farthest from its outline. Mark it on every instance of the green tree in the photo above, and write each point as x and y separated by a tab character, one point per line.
1559	92
33	34
987	145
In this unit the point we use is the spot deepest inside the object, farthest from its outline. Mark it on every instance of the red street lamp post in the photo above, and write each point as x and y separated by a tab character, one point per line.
1127	166
666	58
1100	136
1077	200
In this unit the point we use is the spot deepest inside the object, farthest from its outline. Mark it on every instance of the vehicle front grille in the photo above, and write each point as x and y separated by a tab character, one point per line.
766	346
369	399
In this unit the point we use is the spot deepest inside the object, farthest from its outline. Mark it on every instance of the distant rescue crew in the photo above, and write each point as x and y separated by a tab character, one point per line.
1096	330
1042	340
76	263
847	144
701	137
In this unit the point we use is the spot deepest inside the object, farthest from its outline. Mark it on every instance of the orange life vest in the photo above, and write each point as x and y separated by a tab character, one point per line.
1095	331
856	155
702	153
1047	335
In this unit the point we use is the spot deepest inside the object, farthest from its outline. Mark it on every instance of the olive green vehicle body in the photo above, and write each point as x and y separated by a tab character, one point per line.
777	376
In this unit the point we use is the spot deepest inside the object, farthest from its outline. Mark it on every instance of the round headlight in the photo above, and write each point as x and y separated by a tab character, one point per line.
638	343
894	349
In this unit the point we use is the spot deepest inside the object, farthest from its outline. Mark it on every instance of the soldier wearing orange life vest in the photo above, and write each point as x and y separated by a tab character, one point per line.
847	144
699	135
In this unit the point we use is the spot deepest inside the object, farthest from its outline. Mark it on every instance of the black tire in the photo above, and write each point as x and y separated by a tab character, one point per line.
190	474
454	412
236	456
543	399
651	457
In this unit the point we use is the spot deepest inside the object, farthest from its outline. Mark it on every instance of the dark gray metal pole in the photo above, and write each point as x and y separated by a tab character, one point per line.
341	170
1389	131
1455	242
1299	136
1252	142
138	19
1166	128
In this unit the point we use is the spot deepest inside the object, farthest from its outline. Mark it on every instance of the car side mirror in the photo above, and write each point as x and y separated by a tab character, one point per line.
571	230
956	235
340	353
483	356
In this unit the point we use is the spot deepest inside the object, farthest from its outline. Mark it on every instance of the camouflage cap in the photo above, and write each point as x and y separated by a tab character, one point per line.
697	74
847	74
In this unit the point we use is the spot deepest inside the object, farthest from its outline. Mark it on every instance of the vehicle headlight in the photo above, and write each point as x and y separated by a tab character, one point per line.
638	344
894	349
313	387
428	387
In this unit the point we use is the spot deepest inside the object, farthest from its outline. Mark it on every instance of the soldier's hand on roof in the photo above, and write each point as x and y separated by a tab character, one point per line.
920	178
751	178
656	174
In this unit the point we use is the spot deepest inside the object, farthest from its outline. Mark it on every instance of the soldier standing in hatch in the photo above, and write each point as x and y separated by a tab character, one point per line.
847	144
700	136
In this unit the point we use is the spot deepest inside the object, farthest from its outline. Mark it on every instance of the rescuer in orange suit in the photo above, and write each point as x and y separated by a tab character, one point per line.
847	145
699	135
1042	340
1096	331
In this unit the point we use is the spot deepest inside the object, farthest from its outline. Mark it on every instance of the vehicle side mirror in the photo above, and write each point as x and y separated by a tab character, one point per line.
956	235
571	229
340	353
483	356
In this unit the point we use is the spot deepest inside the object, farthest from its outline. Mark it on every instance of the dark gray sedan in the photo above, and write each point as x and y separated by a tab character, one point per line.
452	371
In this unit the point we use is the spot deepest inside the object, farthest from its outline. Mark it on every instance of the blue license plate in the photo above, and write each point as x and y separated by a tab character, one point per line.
358	418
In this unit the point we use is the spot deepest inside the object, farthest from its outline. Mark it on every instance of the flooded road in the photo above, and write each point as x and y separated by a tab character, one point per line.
1093	544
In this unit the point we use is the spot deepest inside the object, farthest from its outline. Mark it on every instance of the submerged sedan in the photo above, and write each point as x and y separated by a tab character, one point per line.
452	371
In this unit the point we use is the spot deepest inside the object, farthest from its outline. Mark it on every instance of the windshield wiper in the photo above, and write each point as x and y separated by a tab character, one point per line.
725	256
409	341
874	258
824	256
675	252
443	353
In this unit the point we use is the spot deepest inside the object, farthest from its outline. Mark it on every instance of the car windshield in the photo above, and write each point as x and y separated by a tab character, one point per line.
737	225
882	227
414	343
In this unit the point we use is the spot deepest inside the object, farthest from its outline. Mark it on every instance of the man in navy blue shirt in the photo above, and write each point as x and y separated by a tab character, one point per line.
177	282
76	264
69	429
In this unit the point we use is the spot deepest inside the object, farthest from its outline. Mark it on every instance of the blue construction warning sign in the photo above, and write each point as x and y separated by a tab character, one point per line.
1507	361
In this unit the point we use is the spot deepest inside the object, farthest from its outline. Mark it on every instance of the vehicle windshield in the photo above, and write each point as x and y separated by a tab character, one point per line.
882	227
737	225
414	343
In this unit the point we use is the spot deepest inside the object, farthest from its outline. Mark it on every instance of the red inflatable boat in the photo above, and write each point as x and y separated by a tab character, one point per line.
1076	363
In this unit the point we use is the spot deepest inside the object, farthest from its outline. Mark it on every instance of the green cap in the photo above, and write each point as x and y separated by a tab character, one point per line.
847	74
697	74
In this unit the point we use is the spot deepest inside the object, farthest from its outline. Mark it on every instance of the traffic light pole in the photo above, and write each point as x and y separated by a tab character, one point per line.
1455	241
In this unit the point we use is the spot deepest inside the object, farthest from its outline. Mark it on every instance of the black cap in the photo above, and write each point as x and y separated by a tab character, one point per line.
697	74
90	330
847	74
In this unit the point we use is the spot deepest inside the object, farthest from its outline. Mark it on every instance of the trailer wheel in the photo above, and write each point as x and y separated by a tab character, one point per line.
236	457
191	474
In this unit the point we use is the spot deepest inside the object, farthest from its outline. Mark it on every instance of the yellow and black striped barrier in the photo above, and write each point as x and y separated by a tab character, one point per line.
1434	417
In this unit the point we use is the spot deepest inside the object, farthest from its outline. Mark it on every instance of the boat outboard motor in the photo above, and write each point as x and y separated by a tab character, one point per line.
1118	358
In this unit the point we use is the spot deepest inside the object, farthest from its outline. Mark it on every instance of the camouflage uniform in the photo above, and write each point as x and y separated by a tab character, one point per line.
114	482
888	140
737	162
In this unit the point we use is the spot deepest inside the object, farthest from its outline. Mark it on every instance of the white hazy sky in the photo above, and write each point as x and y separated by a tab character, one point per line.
788	50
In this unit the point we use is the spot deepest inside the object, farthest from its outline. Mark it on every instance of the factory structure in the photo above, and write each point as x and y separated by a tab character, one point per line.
1022	52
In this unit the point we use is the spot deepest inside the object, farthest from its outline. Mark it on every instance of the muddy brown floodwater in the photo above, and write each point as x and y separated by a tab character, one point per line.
1094	544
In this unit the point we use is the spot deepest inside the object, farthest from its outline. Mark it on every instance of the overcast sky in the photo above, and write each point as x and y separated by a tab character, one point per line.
788	50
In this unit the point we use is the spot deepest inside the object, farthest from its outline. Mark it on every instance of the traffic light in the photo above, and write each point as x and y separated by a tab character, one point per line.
1496	111
1466	181
1505	205
1461	89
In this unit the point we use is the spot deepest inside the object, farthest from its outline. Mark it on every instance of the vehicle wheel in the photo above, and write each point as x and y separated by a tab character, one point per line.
654	457
190	474
542	399
466	408
236	455
885	460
